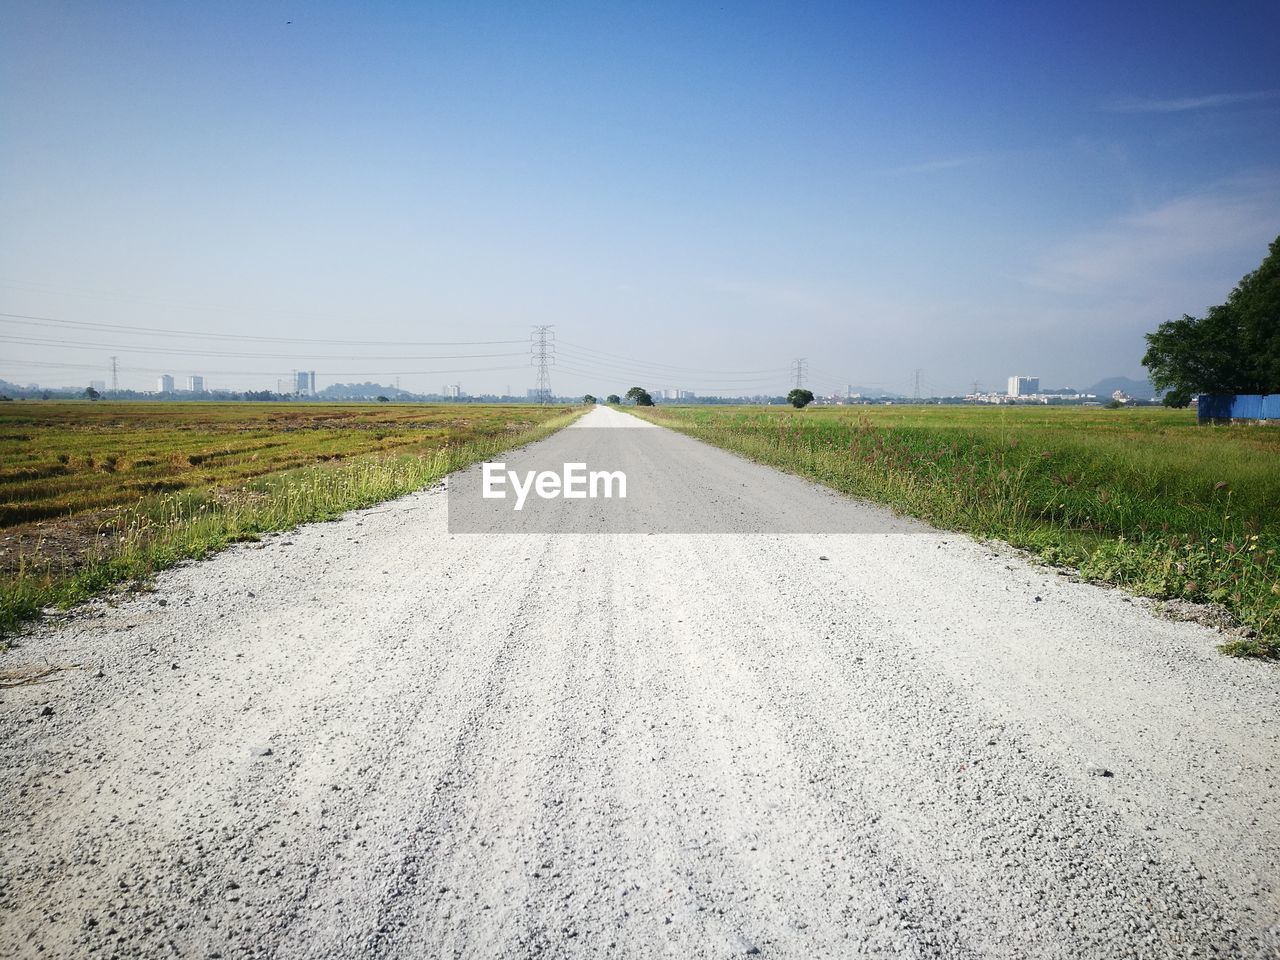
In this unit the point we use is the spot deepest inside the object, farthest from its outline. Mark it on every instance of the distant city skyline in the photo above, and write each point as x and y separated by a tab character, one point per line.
302	385
694	197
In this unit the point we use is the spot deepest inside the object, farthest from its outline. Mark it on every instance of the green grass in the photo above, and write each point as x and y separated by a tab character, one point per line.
182	481
1142	498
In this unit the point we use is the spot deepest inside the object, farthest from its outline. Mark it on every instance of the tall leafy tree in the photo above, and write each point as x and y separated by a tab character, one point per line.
641	396
1233	348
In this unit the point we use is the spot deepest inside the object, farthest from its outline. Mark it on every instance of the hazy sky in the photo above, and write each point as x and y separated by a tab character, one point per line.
690	193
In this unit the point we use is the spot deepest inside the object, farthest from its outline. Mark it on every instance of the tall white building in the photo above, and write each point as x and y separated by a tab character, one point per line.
165	383
1023	386
304	383
195	384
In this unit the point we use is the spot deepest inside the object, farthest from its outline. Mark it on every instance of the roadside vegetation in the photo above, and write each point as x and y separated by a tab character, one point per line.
93	495
1142	498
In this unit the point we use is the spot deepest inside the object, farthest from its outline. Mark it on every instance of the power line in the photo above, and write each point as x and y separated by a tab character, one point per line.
604	367
205	335
606	371
191	352
643	369
20	364
660	370
833	378
572	347
254	313
584	360
113	296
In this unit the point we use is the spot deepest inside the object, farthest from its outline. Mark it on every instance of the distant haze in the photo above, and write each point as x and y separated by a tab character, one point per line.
693	197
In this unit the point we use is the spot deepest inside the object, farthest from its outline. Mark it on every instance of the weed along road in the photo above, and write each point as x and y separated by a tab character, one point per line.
730	713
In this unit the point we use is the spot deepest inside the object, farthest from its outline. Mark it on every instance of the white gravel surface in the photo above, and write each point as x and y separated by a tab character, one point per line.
370	738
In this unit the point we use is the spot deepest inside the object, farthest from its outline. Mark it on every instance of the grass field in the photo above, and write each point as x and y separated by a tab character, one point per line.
92	494
1142	498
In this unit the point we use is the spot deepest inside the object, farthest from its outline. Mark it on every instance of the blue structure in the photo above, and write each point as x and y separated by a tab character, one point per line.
1214	407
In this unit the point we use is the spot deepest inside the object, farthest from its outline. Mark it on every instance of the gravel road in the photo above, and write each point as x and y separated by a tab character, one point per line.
376	738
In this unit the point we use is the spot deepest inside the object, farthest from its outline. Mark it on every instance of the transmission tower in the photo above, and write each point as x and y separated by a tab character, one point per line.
115	374
799	368
917	393
543	355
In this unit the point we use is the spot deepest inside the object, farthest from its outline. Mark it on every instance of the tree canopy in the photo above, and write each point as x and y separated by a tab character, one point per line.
641	396
1233	348
800	398
613	398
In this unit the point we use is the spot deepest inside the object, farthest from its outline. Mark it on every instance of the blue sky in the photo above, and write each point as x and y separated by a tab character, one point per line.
690	193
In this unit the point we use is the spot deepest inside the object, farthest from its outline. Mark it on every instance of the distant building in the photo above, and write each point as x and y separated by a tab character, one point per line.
304	383
195	384
165	383
1023	386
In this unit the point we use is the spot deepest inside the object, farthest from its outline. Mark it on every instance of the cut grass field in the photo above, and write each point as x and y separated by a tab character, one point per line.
95	494
1142	498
